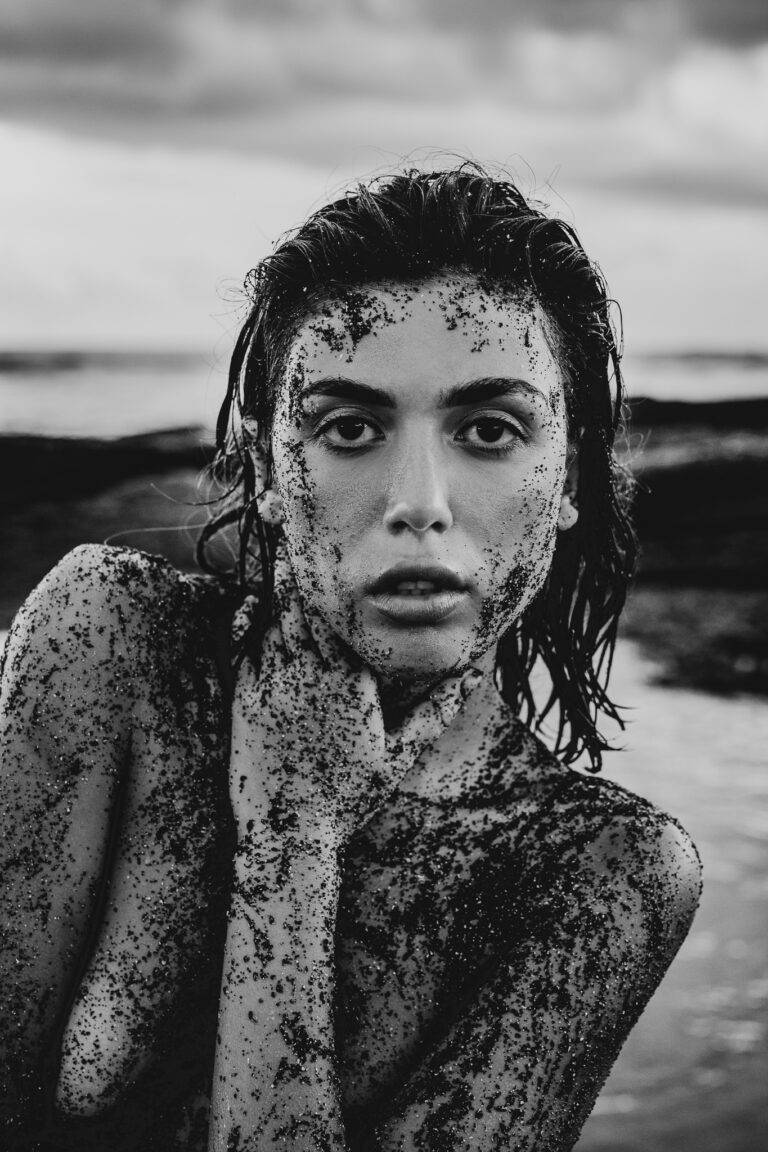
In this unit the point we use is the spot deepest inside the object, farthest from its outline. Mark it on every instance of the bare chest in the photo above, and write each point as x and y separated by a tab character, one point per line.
428	893
429	898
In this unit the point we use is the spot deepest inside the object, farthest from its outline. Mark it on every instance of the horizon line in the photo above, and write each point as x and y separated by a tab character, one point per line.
13	360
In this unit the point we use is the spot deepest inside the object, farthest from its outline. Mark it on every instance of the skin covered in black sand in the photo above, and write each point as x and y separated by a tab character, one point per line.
502	920
518	916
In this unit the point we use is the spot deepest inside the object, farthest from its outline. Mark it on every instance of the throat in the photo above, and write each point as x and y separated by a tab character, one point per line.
397	697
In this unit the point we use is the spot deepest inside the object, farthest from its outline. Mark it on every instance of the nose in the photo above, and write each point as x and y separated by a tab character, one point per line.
418	497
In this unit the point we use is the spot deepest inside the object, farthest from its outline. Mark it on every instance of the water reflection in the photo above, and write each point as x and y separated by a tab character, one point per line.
692	1076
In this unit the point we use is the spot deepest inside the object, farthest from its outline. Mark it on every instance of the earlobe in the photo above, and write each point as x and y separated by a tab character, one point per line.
568	514
270	507
257	451
269	502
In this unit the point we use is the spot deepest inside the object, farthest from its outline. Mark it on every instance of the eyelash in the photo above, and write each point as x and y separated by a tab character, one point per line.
499	450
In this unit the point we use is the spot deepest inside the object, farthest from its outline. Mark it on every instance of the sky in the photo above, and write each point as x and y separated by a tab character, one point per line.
153	151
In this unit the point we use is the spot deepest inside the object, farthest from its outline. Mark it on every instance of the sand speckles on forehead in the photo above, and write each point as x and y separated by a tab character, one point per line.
347	315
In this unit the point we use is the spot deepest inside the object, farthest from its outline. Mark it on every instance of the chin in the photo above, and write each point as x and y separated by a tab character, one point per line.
415	655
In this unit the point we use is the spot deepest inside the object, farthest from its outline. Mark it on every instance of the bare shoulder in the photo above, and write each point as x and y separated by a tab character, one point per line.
99	629
100	597
97	592
610	829
634	864
633	835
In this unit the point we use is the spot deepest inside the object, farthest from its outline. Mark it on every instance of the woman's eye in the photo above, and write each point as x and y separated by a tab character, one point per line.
489	432
349	431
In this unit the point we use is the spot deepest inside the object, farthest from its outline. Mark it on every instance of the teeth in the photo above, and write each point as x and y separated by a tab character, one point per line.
415	587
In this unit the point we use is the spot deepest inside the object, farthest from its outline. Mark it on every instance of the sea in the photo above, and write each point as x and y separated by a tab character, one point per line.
110	394
692	1075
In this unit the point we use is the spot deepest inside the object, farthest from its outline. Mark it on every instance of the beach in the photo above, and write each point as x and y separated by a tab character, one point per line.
692	667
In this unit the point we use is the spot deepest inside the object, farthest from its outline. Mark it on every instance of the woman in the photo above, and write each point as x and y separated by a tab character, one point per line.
309	798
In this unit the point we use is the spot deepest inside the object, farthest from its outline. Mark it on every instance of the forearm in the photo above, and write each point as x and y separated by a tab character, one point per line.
274	1081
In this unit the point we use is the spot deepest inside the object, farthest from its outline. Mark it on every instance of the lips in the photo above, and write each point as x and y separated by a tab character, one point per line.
410	594
420	579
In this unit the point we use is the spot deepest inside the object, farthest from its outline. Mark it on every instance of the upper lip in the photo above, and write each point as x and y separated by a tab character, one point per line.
443	578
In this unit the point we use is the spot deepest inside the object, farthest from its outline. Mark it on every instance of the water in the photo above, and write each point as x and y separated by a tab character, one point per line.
111	396
692	1075
697	377
120	395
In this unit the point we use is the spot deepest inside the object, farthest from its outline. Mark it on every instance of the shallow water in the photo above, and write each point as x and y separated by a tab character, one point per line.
693	1074
112	398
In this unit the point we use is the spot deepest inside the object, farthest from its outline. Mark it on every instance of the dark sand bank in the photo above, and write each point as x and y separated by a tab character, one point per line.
700	606
38	468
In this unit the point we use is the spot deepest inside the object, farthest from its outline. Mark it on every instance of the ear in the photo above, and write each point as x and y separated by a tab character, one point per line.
256	447
569	511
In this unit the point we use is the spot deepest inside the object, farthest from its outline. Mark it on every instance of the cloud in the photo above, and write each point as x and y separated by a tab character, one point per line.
197	55
118	245
743	23
99	31
153	148
86	32
621	98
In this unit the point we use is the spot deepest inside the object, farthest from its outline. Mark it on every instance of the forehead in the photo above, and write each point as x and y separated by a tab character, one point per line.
438	332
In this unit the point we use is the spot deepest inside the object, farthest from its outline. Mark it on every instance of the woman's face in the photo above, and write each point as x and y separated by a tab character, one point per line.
419	445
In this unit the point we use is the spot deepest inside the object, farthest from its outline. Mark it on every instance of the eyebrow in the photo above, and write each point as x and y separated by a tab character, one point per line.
472	392
346	389
488	388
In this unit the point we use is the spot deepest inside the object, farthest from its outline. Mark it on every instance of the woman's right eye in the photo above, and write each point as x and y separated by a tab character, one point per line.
345	432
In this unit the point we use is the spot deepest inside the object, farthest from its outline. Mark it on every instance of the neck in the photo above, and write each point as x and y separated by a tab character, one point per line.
397	697
399	694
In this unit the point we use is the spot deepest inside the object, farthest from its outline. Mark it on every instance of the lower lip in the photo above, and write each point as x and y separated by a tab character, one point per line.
425	609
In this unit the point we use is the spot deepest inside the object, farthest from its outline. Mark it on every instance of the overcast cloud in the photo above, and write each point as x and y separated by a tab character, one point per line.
665	93
153	148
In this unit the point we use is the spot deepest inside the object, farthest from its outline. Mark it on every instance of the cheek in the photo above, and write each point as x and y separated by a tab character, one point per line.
297	487
322	523
520	556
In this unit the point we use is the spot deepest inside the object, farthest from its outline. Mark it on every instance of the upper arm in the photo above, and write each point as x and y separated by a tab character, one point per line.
522	1062
69	681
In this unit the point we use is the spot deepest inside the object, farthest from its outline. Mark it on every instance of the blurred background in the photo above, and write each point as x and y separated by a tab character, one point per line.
151	154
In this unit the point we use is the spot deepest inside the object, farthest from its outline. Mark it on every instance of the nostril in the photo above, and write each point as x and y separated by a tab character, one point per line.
418	518
404	525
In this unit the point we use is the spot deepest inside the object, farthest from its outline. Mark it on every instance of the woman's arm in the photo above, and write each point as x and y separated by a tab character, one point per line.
276	1083
113	820
520	1063
63	745
310	763
157	952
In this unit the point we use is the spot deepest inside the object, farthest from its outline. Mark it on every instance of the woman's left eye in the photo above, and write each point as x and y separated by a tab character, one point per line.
490	434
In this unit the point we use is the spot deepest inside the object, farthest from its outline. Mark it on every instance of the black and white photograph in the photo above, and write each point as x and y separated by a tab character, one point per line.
383	576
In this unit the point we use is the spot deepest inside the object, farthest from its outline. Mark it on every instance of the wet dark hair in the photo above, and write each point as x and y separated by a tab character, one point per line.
408	227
